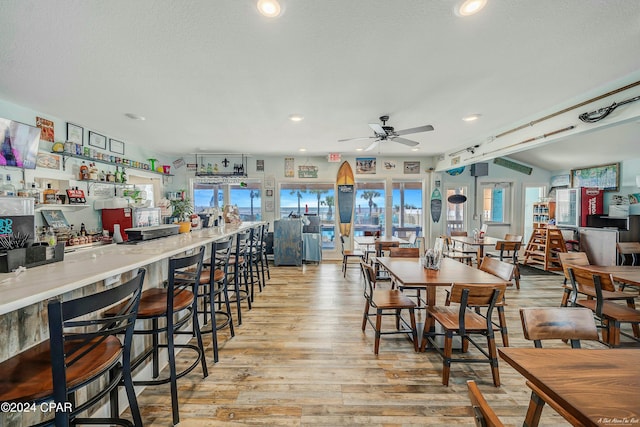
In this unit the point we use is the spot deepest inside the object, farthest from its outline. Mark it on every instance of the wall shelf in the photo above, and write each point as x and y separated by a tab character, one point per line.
221	165
72	206
66	156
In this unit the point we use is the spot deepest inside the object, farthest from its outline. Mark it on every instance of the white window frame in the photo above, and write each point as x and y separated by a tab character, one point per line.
507	202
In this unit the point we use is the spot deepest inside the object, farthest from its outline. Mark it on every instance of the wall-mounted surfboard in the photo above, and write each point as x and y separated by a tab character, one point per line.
346	197
436	205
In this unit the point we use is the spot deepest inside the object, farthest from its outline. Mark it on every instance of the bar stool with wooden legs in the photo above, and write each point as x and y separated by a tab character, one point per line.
253	259
176	305
265	260
238	262
213	290
82	353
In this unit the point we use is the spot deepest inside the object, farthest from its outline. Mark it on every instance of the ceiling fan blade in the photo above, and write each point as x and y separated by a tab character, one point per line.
414	130
356	139
377	129
404	141
373	145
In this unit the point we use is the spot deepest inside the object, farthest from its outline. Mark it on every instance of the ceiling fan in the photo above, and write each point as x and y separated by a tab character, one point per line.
388	133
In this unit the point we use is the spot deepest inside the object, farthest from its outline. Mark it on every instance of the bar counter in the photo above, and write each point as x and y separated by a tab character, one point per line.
23	297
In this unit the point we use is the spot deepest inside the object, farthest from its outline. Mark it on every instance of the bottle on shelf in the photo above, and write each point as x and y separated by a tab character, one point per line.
49	195
84	171
123	177
50	237
110	177
93	172
83	230
35	193
8	189
23	191
102	176
118	175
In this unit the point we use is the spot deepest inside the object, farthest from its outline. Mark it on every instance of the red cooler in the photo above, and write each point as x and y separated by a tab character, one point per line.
591	203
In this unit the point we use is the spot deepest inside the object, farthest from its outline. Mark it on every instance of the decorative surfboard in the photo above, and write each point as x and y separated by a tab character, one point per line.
346	197
436	205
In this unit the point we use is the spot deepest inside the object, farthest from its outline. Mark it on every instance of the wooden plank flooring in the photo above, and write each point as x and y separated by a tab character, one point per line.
301	359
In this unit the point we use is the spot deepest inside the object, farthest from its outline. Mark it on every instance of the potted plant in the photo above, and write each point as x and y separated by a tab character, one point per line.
182	209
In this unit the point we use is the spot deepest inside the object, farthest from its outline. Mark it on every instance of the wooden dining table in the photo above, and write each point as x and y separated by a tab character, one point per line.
592	387
627	274
372	240
479	244
410	274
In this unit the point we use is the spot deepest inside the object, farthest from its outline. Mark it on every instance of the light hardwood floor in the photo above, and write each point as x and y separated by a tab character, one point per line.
300	358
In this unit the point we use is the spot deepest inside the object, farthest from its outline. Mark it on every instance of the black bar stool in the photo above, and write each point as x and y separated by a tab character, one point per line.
254	255
214	290
239	262
265	261
83	352
176	305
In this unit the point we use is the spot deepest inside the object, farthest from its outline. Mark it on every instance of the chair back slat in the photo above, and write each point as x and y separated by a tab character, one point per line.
585	277
501	269
383	246
479	294
404	252
572	258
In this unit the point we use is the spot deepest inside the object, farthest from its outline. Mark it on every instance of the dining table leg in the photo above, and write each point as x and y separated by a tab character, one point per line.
536	404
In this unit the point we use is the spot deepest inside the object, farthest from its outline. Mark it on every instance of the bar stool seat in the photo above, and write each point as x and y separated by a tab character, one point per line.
30	378
153	302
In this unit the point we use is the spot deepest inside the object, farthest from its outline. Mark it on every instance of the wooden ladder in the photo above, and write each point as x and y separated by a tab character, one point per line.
543	248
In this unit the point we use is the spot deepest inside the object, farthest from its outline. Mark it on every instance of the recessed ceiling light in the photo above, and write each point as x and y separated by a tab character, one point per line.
359	149
414	149
134	116
470	7
296	117
269	8
302	149
471	117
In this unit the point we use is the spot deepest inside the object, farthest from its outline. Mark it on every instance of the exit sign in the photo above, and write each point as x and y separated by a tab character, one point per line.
334	157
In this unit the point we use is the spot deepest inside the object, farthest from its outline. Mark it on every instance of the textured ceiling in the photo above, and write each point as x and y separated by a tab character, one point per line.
216	76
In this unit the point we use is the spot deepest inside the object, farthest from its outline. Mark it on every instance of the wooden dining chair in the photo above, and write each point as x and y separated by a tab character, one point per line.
464	322
450	252
348	254
386	302
611	315
404	252
628	248
558	323
507	250
504	271
567	259
483	414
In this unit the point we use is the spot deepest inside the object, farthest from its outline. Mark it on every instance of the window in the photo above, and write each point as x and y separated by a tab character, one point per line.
311	199
247	196
455	212
495	202
407	216
370	207
207	195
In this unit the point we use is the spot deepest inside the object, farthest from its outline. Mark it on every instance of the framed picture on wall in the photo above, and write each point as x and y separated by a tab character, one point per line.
116	146
75	134
97	140
606	177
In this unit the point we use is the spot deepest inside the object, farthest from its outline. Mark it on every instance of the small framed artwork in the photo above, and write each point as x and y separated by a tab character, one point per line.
259	165
268	205
269	192
48	161
411	167
47	126
365	165
75	134
116	146
97	140
270	182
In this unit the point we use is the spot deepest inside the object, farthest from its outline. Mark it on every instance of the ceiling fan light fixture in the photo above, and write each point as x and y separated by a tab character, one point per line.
471	117
269	8
470	7
296	117
134	116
